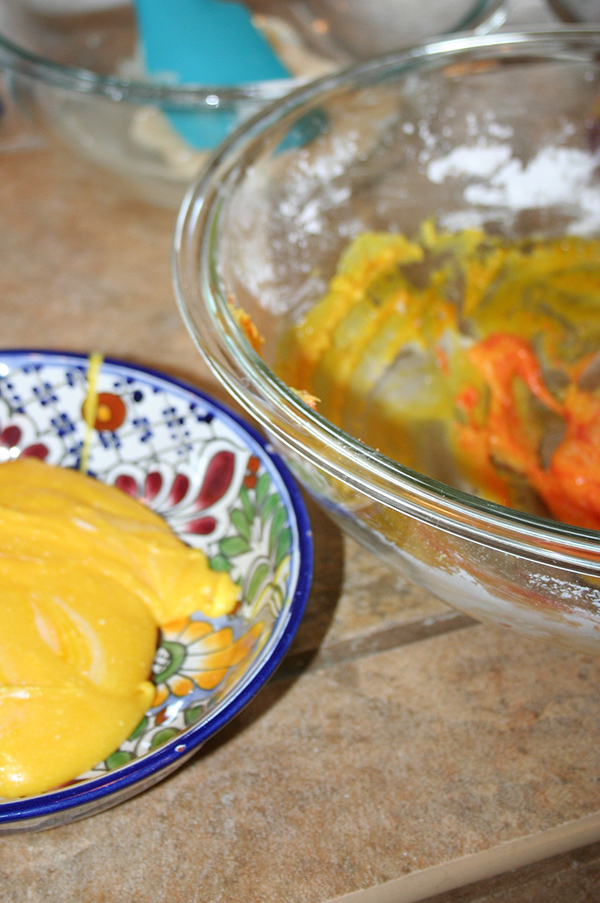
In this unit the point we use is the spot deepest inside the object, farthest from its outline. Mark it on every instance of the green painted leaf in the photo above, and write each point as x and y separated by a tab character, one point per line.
247	504
259	575
176	653
117	759
139	729
240	521
193	713
234	545
283	546
220	563
262	487
271	503
163	736
279	519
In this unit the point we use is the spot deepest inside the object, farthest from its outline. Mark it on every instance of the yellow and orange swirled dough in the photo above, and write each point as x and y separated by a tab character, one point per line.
88	576
467	357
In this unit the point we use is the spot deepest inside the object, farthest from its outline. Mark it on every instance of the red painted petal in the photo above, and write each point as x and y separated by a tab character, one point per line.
35	451
179	488
153	485
217	479
202	526
10	436
127	484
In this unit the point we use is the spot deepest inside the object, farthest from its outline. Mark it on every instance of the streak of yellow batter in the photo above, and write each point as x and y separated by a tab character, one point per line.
470	358
87	576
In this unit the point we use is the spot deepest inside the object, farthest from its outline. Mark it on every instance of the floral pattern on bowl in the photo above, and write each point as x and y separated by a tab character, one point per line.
222	489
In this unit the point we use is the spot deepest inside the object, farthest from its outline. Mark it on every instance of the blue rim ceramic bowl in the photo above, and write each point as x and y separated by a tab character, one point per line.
222	489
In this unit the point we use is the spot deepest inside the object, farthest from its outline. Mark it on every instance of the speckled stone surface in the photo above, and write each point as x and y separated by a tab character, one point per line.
345	778
397	737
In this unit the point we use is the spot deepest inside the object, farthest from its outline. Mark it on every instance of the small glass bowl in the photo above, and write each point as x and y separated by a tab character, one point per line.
79	76
429	132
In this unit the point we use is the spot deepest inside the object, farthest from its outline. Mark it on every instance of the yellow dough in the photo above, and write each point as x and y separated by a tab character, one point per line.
467	357
88	575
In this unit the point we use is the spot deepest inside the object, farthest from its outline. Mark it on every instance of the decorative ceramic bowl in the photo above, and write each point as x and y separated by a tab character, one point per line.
498	133
75	69
223	490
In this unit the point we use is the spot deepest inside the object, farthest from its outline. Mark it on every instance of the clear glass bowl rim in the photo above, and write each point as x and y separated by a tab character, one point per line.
224	346
484	15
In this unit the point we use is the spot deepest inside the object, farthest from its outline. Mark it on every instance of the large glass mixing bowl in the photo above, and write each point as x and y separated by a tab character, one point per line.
498	132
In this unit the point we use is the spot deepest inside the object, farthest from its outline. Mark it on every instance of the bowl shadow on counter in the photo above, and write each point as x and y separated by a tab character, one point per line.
328	577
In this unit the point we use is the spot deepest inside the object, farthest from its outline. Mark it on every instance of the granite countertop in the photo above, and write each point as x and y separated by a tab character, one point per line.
402	751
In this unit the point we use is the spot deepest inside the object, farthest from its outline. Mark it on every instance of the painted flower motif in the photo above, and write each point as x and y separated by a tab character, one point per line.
251	476
11	437
217	480
193	656
110	412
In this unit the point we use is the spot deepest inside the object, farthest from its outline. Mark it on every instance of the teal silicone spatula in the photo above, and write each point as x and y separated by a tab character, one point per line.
207	43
